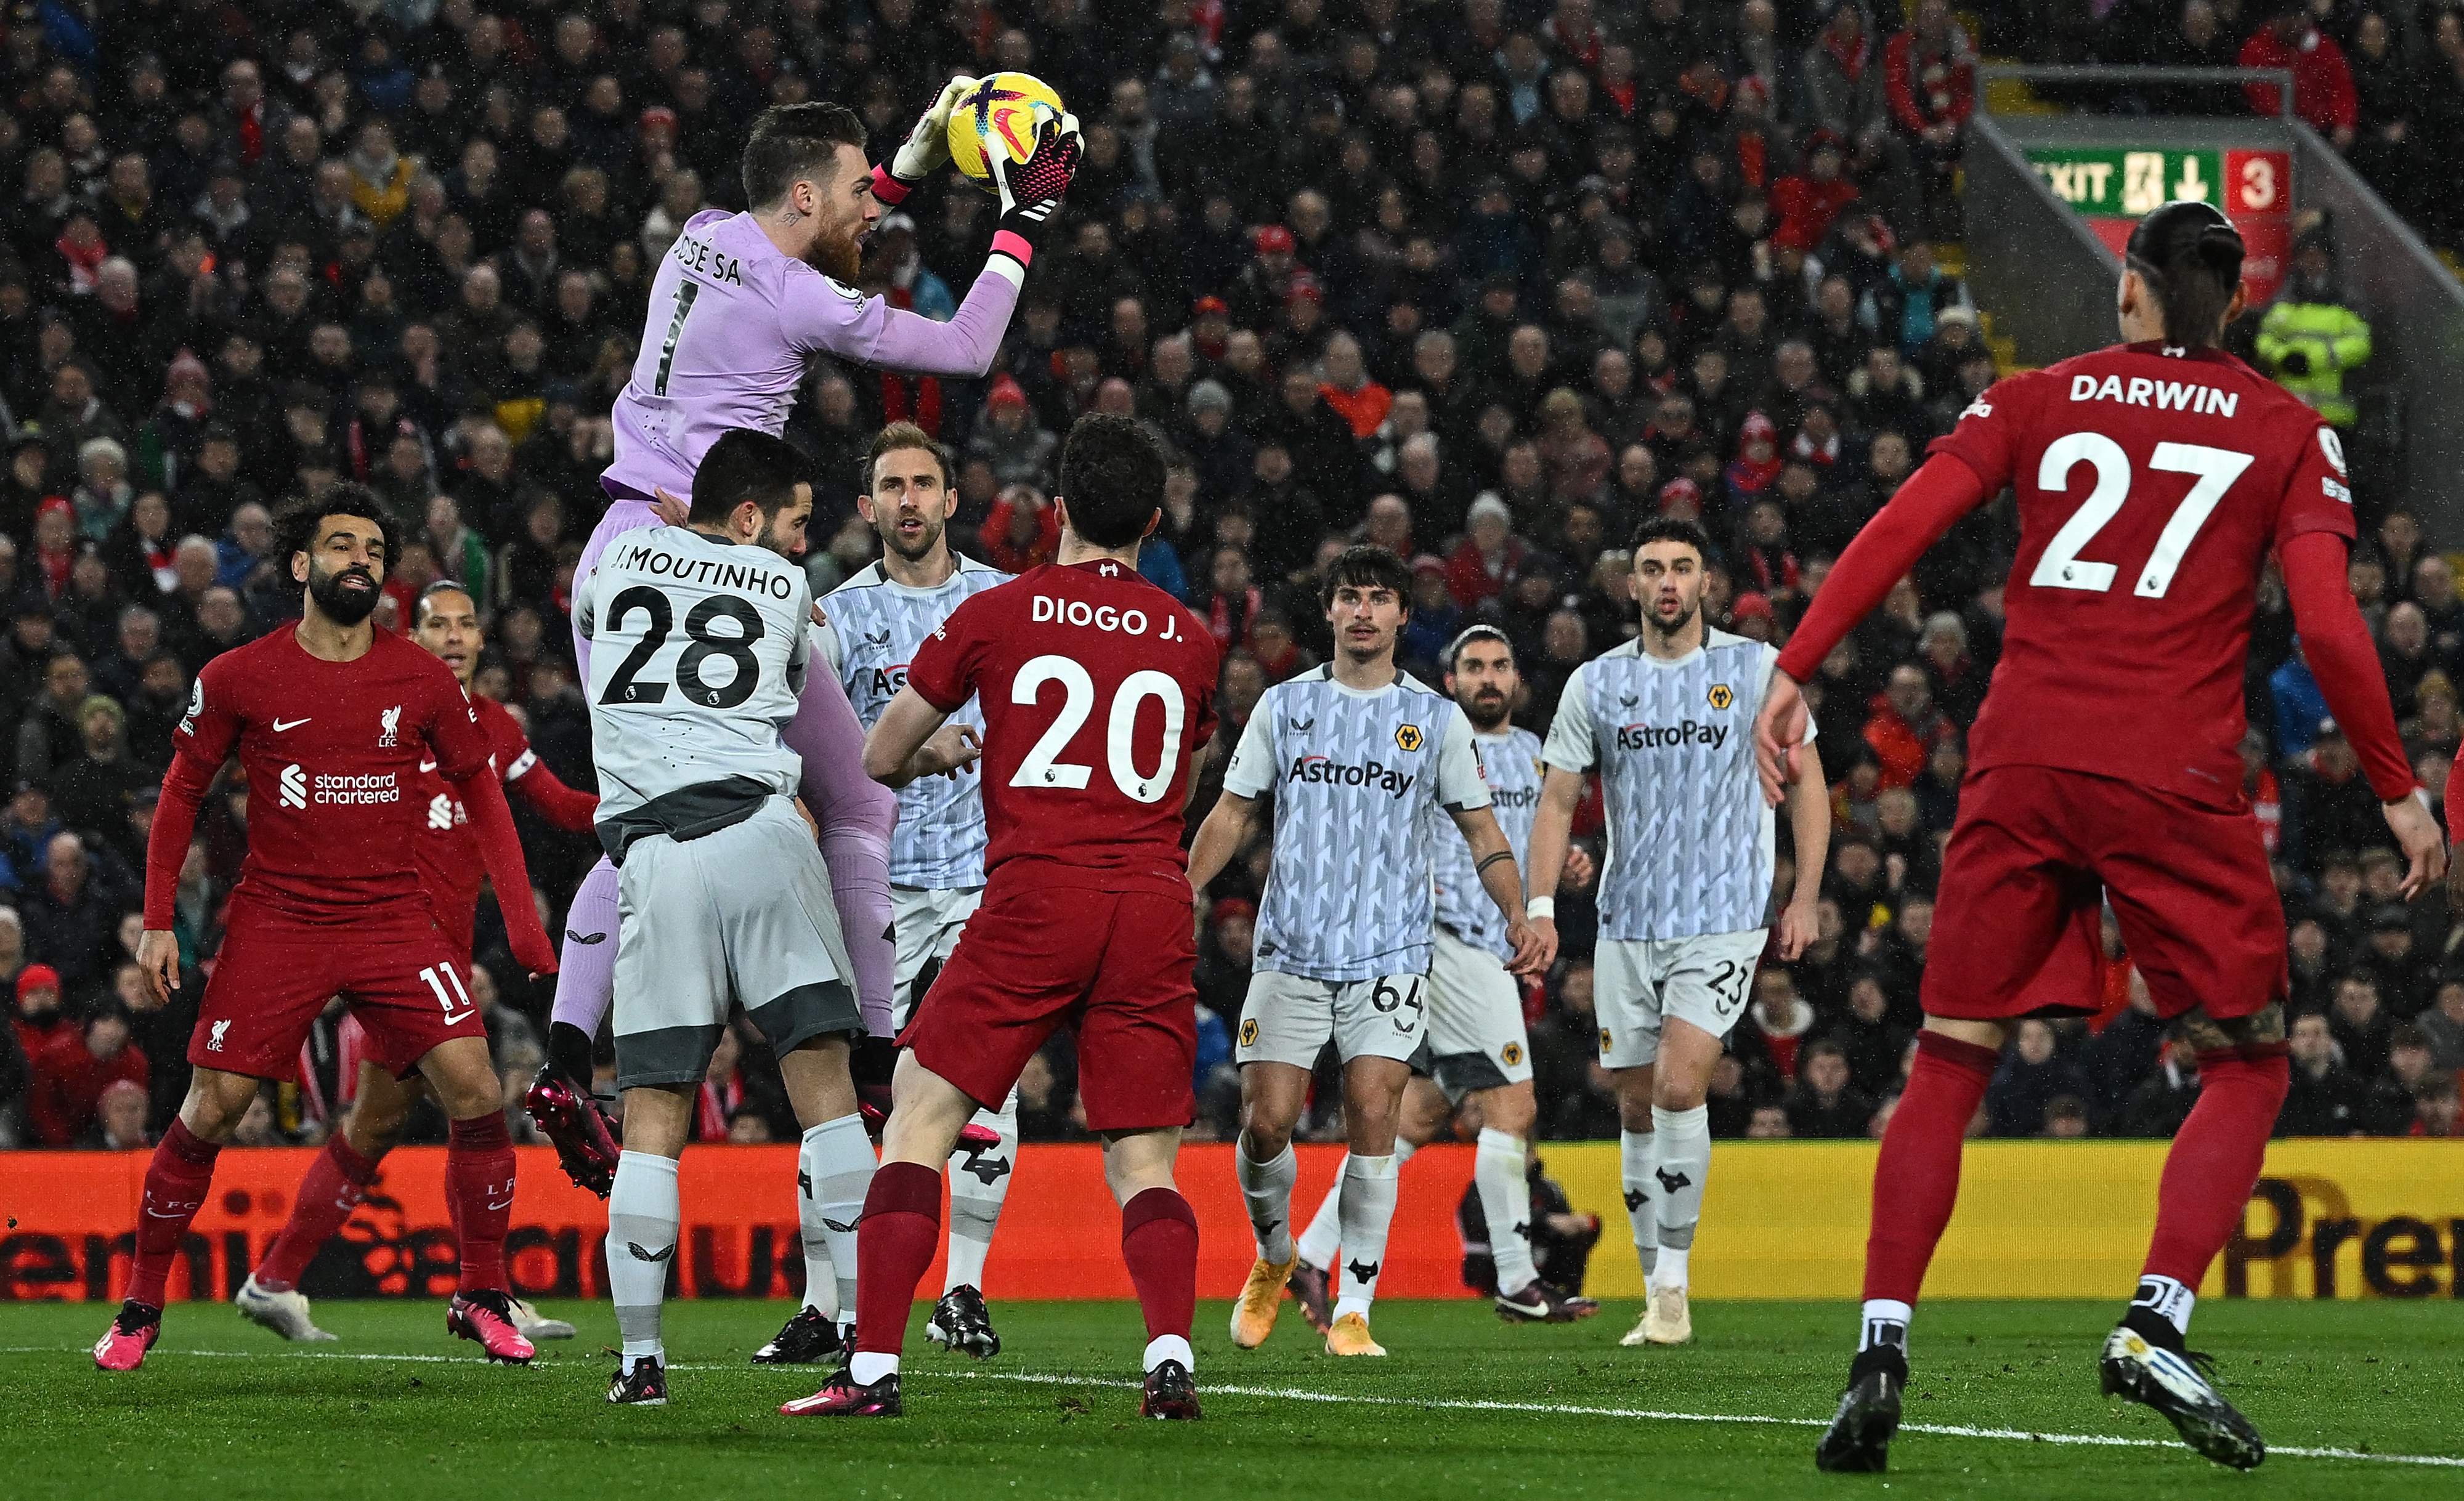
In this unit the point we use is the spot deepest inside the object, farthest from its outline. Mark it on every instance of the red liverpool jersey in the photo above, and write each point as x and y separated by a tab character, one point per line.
333	752
2152	484
451	866
1096	688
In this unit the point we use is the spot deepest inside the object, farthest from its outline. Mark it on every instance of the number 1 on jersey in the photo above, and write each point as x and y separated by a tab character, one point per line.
2062	567
686	292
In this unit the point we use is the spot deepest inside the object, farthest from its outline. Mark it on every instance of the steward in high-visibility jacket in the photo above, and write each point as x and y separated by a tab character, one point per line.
2311	336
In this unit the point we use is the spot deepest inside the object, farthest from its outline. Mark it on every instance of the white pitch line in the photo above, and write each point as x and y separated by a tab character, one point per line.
1952	1430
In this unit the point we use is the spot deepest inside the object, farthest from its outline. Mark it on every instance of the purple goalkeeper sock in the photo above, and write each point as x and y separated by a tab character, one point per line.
856	815
586	971
859	862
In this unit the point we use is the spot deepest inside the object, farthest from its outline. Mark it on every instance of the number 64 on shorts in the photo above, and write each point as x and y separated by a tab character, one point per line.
1291	1018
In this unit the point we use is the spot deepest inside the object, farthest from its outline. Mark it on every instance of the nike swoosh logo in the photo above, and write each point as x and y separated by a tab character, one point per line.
280	725
585	937
426	766
154	1213
507	1204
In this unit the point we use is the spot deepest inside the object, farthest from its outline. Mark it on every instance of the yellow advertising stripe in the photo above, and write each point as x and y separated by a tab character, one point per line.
2349	1218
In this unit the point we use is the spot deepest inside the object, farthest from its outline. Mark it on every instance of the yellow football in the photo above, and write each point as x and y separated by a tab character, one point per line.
1003	114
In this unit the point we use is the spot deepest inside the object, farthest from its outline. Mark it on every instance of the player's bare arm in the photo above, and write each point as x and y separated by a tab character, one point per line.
1220	837
915	739
1808	822
1553	828
1779	730
1535	939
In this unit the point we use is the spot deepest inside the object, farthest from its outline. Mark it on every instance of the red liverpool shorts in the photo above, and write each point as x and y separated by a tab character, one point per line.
398	974
2034	855
1115	965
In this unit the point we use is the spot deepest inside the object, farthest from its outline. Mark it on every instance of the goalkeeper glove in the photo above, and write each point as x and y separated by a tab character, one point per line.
926	150
1032	188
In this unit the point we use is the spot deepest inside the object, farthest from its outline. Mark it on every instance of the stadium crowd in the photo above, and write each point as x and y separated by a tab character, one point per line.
1484	282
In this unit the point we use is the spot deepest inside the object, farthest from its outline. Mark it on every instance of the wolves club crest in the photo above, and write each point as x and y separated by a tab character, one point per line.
1407	738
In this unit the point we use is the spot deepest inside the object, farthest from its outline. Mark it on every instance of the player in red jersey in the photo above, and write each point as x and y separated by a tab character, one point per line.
330	719
2154	479
1097	688
446	621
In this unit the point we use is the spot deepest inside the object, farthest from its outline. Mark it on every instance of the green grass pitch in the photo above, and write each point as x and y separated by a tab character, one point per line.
1464	1407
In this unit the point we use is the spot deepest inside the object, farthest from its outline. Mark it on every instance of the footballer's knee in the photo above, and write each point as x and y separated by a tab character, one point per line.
1670	1093
375	1130
2257	1036
1511	1108
1635	1088
464	1078
215	1103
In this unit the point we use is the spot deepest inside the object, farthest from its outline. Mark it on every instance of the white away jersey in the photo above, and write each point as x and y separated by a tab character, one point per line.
1353	774
700	650
1691	843
875	625
1511	761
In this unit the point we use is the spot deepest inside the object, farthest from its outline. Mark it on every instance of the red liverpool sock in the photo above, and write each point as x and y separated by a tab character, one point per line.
479	1195
893	1248
1159	1241
176	1181
2215	1161
336	1183
1916	1179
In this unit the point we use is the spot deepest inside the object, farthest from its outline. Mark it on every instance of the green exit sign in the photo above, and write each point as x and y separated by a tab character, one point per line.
2095	181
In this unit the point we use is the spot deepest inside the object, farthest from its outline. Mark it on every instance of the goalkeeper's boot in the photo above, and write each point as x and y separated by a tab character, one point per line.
1858	1441
960	1321
809	1339
2148	1366
578	1126
1310	1288
285	1312
534	1325
132	1333
1541	1303
842	1396
486	1318
646	1385
1262	1298
1170	1393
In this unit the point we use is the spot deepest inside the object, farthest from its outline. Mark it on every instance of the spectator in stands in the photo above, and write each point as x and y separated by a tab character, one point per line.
1931	79
2311	333
74	1069
2322	84
2326	1099
120	1117
1824	1103
1906	725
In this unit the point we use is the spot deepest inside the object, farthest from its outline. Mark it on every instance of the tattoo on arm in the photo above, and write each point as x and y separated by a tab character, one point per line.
1482	869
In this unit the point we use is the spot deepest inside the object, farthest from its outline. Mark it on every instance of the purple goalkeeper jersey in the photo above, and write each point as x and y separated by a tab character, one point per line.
733	322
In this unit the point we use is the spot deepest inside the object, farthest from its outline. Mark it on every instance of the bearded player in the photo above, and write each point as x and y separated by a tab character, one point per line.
446	621
2155	479
330	719
1097	688
878	620
739	308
